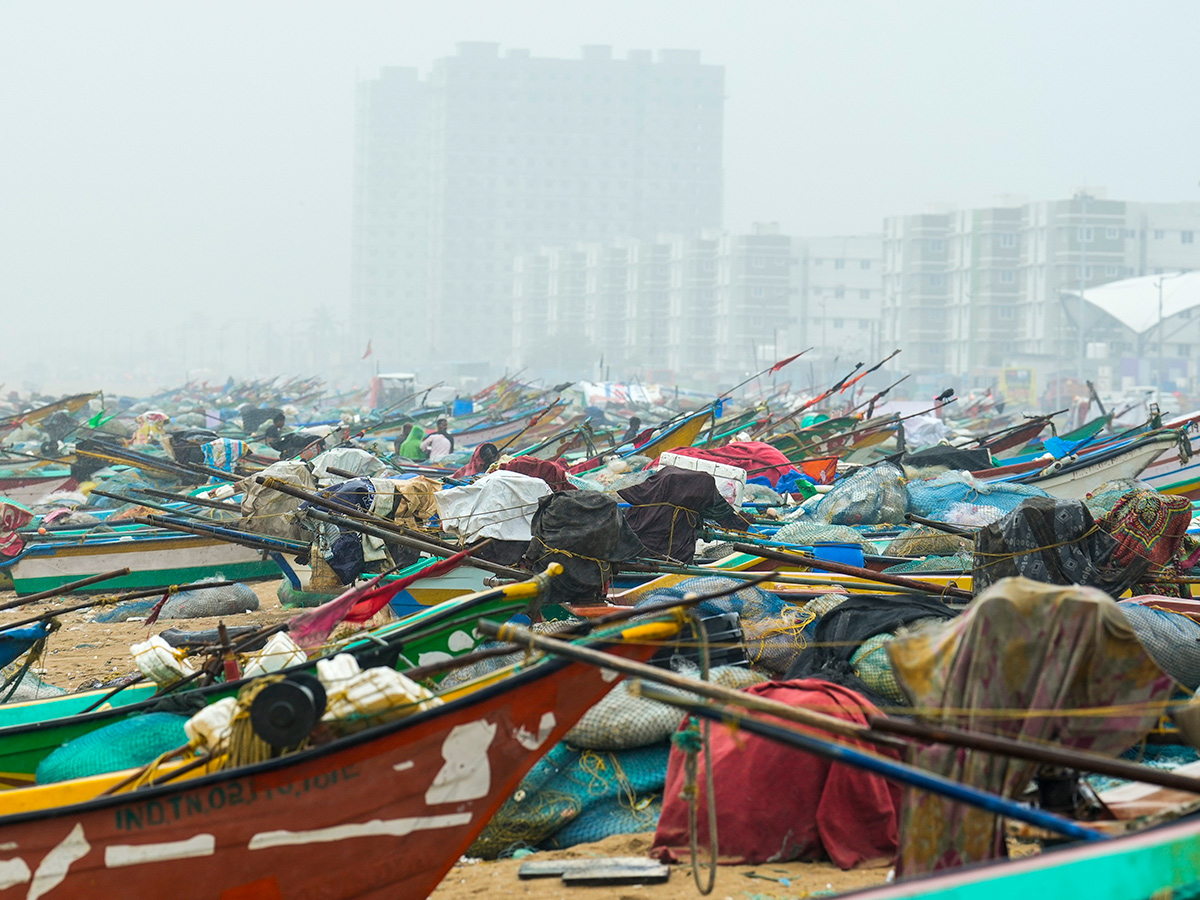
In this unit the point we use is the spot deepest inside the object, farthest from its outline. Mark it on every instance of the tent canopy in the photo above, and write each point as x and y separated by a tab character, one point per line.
1134	301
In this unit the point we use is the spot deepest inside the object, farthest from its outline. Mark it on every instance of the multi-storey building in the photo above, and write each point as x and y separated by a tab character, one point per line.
511	153
840	298
988	294
690	310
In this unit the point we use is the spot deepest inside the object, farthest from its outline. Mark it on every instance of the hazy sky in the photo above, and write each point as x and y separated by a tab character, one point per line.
161	160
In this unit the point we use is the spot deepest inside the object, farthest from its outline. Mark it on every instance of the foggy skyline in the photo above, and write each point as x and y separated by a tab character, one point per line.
167	163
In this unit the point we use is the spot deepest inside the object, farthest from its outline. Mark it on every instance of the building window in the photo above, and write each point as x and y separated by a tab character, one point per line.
864	324
1187	237
1007	276
1084	234
1008	240
757	262
838	323
937	279
1112	233
839	293
817	261
937	245
1006	312
839	264
1131	233
864	295
1112	270
1158	234
865	264
1083	271
756	292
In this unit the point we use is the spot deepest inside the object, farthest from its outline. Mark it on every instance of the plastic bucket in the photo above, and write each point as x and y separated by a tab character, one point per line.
847	554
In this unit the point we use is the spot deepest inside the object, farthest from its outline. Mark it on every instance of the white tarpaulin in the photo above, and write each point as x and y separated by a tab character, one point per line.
500	505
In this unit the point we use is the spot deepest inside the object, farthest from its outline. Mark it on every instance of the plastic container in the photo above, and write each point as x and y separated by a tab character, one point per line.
847	554
731	480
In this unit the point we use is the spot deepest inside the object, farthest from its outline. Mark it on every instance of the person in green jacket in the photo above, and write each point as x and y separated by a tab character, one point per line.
408	444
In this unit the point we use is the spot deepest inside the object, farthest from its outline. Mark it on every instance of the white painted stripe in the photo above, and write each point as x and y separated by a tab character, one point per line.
118	855
13	872
374	828
404	766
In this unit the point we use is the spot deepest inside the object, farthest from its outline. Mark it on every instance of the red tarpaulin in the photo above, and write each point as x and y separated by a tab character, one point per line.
757	458
776	803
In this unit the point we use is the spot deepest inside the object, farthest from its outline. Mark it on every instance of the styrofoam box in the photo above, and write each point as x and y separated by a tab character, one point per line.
731	481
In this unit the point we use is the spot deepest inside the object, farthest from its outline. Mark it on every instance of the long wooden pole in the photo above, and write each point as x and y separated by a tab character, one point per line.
66	588
880	727
892	770
802	559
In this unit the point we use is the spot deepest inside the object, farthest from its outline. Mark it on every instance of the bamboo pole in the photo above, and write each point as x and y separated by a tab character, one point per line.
66	588
812	562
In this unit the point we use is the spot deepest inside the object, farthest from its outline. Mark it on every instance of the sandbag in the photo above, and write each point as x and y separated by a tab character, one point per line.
228	600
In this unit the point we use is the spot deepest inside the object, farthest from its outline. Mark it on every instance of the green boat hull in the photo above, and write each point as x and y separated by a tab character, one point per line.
30	731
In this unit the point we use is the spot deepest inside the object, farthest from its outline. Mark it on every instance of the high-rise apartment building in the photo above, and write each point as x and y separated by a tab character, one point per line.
690	310
984	293
841	295
495	155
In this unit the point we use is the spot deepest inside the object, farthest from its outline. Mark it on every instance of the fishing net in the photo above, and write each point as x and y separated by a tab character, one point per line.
871	496
290	598
922	540
577	787
959	562
126	483
485	666
715	550
773	642
131	742
972	515
808	533
606	818
761	495
874	667
129	609
1102	500
228	600
934	497
1157	756
267	511
814	609
621	721
1171	639
750	602
30	687
614	476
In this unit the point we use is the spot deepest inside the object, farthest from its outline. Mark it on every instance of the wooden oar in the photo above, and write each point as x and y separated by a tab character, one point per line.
812	562
66	588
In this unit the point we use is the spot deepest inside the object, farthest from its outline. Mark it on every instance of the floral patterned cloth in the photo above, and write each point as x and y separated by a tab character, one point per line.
1021	650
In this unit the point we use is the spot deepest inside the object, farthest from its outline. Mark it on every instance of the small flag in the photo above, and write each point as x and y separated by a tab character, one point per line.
368	353
783	362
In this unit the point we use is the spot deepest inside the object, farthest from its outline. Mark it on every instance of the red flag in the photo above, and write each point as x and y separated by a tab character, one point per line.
312	628
783	362
368	353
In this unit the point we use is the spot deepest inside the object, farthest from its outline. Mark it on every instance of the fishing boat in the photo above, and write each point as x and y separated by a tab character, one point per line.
29	485
31	730
382	813
155	559
1074	481
1161	862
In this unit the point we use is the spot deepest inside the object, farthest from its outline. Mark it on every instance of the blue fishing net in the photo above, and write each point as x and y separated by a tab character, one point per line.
126	744
871	496
959	562
749	603
933	498
572	796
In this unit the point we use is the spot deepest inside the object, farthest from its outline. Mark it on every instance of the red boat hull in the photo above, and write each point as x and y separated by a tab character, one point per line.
383	814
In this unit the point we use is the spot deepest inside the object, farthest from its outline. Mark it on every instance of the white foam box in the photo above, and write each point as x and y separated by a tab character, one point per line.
731	481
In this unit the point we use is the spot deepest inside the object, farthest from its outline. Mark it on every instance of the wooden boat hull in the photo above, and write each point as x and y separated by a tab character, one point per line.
29	489
156	561
381	814
30	731
1154	863
1077	483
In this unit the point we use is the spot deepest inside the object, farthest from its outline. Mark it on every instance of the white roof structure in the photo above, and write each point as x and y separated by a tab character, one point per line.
1134	301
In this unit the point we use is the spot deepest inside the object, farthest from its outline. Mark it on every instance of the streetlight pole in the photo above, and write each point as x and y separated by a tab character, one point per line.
1161	360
